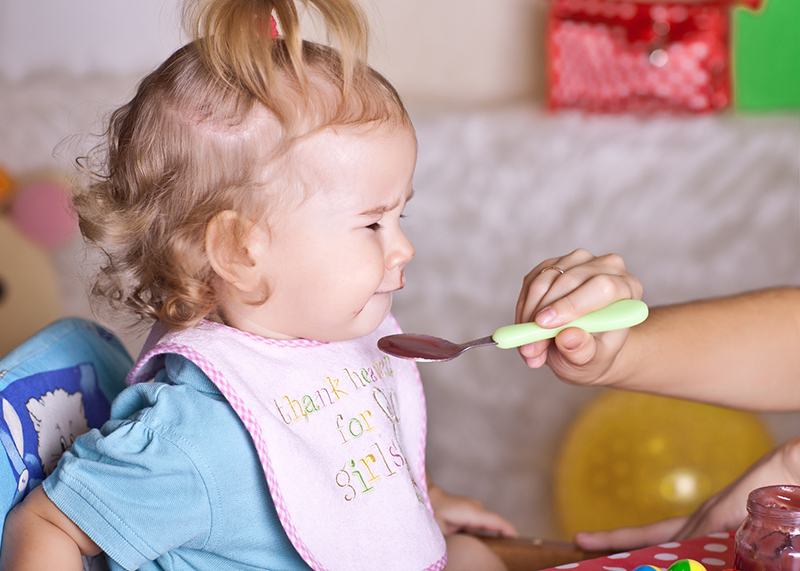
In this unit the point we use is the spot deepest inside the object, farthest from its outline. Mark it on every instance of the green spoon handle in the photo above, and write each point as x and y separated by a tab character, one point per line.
619	315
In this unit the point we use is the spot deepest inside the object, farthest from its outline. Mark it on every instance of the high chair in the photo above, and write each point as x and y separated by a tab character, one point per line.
54	387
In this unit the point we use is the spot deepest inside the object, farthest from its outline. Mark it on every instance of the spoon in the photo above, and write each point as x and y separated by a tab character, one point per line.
619	315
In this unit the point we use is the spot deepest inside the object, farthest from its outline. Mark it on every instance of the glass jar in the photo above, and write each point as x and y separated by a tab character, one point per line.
769	538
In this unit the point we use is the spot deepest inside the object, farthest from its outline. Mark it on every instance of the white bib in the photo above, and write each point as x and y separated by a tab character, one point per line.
340	432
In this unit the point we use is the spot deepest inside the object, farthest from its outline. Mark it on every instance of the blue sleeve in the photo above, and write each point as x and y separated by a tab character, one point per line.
137	487
173	481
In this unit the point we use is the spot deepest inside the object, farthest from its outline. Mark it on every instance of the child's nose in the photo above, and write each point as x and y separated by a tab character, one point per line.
401	253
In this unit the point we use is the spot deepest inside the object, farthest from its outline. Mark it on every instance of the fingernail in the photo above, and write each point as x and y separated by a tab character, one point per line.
546	316
527	351
534	362
571	344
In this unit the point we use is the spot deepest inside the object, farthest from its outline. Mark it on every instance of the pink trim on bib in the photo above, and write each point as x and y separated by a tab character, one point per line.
303	446
253	427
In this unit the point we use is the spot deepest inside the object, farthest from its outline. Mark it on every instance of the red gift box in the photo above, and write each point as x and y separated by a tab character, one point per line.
616	56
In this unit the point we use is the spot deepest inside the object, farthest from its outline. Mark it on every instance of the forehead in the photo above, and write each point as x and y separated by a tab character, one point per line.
357	151
356	169
342	142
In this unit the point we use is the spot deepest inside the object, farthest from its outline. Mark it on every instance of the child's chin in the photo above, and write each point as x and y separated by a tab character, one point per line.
374	313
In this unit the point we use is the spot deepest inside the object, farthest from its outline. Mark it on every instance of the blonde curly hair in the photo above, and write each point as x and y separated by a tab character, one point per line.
200	134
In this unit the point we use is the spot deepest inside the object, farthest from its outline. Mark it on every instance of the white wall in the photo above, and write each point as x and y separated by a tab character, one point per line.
434	51
85	36
461	50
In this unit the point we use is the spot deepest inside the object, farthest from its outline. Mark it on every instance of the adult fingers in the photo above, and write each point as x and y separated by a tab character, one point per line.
535	354
587	283
576	345
584	289
624	538
540	279
581	358
571	347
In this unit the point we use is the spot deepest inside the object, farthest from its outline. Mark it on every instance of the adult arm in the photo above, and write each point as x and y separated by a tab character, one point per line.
739	351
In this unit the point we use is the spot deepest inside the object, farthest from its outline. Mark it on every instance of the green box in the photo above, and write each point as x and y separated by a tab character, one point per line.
766	56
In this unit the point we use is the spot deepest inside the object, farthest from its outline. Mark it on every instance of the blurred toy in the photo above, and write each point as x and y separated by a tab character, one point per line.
5	185
631	458
766	57
41	211
34	218
687	565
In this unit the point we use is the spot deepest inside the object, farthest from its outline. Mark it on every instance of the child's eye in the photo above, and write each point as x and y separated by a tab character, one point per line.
375	226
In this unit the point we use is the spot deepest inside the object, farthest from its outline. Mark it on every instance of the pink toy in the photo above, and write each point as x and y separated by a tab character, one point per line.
41	211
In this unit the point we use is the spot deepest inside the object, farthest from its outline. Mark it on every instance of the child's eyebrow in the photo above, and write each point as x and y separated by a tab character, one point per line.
388	207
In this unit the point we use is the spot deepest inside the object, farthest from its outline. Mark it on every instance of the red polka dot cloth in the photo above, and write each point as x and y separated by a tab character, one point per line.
714	551
616	56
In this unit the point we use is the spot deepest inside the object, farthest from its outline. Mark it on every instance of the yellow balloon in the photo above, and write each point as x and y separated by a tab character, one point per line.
631	459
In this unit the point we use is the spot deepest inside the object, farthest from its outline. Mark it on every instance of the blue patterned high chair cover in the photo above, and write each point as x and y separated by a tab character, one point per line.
54	387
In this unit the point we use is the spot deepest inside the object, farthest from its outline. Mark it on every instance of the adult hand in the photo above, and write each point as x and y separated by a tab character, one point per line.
724	511
562	289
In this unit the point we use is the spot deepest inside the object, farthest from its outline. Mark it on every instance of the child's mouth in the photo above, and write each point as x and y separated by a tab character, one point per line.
400	286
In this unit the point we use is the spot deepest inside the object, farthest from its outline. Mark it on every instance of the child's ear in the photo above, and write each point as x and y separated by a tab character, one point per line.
229	246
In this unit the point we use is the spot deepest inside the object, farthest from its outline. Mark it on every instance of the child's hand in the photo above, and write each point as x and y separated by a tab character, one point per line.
562	289
724	511
461	514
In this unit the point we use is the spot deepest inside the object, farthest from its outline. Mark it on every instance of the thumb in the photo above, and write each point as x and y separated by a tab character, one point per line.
576	345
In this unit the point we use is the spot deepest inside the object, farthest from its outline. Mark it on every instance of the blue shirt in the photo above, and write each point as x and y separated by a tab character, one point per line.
173	482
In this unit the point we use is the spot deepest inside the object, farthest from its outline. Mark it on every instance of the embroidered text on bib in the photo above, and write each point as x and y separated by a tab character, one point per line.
340	432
